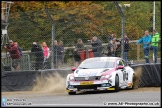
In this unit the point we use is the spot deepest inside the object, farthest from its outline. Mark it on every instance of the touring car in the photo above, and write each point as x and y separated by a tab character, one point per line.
100	73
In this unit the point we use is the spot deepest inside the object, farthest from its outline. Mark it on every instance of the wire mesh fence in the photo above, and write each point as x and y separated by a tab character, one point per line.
71	24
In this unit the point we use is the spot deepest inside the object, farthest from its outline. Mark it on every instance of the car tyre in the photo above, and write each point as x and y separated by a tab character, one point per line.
116	83
72	93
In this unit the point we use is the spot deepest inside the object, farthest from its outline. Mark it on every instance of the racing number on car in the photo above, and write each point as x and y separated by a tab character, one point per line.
125	76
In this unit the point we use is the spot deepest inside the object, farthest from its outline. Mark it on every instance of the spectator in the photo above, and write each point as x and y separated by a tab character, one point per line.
56	53
118	48
19	48
111	37
96	46
78	47
154	44
126	47
61	54
146	40
14	54
46	53
111	47
39	57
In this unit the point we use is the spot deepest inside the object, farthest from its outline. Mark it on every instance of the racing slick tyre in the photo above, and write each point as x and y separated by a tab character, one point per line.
116	83
72	93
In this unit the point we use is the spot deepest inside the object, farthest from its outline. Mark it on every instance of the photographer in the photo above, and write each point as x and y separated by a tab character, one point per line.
39	56
14	54
96	46
111	48
78	47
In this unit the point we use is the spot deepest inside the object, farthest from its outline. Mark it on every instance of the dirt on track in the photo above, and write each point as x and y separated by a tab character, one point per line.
53	83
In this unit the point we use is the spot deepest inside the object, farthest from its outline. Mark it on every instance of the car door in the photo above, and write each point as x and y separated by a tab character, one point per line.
123	73
129	73
120	72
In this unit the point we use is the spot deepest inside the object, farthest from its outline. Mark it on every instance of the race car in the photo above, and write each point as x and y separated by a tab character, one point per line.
100	73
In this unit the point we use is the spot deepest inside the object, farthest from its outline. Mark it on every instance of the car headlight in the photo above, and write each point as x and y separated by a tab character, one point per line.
106	76
71	78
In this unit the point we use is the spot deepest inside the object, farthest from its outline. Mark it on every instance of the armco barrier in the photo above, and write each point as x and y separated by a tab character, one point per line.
23	81
150	76
17	81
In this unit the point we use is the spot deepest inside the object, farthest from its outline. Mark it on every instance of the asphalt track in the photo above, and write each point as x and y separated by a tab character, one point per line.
146	96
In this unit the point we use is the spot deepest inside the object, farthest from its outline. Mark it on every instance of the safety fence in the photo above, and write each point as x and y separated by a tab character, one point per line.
29	60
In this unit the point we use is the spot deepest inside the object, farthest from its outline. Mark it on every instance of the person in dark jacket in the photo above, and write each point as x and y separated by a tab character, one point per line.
56	53
126	47
39	56
96	46
14	54
61	52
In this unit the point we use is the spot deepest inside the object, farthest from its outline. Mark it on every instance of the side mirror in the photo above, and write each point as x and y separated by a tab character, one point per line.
73	69
120	67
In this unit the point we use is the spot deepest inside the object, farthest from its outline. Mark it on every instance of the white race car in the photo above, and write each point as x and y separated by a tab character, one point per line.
100	73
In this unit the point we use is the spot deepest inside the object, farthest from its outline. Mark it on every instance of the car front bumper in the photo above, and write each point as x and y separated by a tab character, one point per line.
73	86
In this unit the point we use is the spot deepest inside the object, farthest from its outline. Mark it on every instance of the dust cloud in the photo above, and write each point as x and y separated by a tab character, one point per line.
137	78
54	83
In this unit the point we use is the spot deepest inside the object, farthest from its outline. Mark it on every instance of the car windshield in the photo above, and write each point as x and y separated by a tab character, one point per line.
96	64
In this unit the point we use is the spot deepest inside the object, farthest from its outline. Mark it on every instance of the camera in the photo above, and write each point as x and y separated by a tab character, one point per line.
34	45
7	45
118	40
89	40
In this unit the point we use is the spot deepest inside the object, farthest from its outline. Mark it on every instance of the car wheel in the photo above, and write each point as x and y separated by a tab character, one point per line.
72	93
116	83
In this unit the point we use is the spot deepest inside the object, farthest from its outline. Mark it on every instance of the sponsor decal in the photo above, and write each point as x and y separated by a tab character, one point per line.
87	77
82	74
86	83
111	88
67	90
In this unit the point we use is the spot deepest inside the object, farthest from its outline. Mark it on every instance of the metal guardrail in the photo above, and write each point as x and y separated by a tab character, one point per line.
24	63
72	47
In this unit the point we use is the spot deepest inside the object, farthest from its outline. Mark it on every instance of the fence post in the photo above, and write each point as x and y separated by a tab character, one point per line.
53	36
121	11
87	52
138	52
